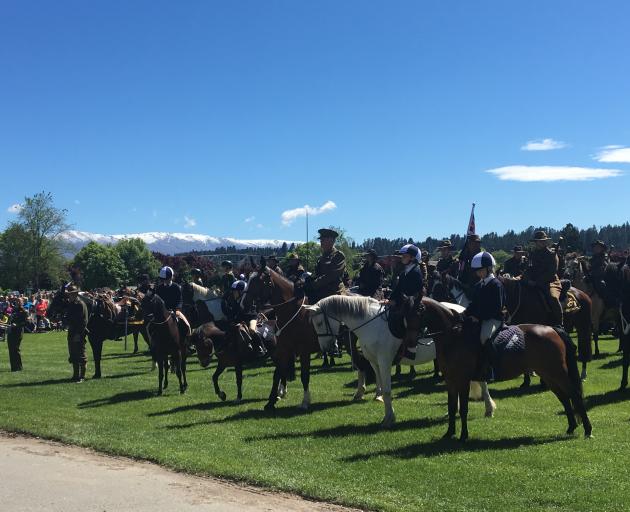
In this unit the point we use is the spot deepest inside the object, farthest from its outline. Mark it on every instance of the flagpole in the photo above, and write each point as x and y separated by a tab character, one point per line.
307	249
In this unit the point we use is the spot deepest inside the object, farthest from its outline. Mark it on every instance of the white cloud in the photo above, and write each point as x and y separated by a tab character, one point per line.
189	222
14	208
543	145
259	226
289	216
614	154
551	173
250	219
76	201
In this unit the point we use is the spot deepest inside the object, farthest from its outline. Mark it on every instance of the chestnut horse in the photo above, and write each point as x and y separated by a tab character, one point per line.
546	352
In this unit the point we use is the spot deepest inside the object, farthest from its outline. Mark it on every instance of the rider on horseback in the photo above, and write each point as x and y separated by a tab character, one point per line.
228	278
467	276
484	315
171	294
542	274
236	314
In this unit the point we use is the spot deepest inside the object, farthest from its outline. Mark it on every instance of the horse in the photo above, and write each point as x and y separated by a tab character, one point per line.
624	330
576	271
103	323
526	304
167	339
194	294
368	319
206	338
545	351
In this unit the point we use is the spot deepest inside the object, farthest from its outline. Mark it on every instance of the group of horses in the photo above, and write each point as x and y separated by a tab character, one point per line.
303	329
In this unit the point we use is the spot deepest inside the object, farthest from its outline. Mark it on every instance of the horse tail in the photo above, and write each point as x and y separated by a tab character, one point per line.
577	391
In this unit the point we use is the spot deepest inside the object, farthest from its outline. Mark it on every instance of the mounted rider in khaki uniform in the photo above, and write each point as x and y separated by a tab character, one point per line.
294	269
329	269
517	264
542	274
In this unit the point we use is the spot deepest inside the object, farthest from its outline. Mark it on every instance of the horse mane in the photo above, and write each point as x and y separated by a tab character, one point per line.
355	307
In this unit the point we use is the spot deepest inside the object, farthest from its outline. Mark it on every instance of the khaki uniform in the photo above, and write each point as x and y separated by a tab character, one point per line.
328	278
543	271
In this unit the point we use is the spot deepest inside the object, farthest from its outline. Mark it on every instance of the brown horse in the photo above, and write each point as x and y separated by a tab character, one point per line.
526	304
624	329
103	323
295	336
166	340
207	337
546	352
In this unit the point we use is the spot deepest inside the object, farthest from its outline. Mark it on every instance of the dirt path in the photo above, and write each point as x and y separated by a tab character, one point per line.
45	476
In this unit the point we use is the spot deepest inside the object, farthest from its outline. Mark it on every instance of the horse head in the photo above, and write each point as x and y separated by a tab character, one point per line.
203	343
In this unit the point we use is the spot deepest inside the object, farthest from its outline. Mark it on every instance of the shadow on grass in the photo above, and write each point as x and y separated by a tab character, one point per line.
122	356
205	406
259	414
606	398
129	396
615	363
66	380
445	446
517	391
353	430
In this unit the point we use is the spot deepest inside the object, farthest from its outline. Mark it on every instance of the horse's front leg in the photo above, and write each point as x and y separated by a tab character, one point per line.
463	411
97	350
305	377
273	396
584	373
452	413
386	383
436	370
135	341
282	388
160	376
165	362
625	363
180	371
215	380
358	395
487	399
238	370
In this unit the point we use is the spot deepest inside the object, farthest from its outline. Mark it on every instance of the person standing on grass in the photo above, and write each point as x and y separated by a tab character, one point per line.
77	328
14	335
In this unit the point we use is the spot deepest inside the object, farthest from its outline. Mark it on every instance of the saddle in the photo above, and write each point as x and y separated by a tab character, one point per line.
396	321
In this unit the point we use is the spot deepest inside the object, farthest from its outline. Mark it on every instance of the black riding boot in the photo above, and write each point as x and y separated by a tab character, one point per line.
487	358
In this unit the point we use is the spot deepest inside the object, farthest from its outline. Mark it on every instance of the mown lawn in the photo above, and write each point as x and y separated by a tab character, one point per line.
519	460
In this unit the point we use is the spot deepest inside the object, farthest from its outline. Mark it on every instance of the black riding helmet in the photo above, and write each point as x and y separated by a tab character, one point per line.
227	264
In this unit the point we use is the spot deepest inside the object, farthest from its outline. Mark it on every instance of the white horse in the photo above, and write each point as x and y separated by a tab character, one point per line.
367	319
211	298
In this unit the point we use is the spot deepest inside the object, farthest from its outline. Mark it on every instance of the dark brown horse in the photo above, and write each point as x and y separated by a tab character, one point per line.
210	340
546	352
167	339
624	328
526	304
103	323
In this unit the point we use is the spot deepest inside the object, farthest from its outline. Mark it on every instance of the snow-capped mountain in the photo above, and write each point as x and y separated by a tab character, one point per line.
169	243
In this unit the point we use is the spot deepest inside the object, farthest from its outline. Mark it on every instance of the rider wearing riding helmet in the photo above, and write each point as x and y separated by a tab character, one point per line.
227	279
235	312
196	276
171	293
485	312
410	284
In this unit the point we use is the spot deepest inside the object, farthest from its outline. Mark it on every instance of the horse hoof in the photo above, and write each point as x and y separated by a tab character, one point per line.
239	399
269	407
303	407
571	430
358	397
160	393
378	398
182	391
449	435
97	376
490	413
387	423
463	438
222	396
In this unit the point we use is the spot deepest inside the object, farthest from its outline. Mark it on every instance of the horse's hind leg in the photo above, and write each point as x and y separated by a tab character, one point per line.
463	411
97	350
625	361
436	370
386	383
358	395
282	388
184	378
160	376
177	359
490	405
563	396
135	342
238	370
215	380
273	396
166	370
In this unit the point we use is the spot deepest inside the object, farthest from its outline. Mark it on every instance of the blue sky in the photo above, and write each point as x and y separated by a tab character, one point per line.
216	117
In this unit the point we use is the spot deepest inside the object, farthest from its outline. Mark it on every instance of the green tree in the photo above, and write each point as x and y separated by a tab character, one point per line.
571	236
100	266
16	257
308	254
44	223
136	257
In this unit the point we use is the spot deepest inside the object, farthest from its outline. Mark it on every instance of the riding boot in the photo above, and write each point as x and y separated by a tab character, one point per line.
75	373
82	368
485	368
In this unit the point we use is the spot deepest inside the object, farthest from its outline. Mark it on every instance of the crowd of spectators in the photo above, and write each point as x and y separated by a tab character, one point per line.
36	306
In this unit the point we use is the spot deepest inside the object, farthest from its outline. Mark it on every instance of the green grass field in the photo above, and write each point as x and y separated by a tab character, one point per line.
518	460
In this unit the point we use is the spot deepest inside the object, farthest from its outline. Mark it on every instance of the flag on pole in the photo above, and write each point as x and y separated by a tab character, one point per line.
471	222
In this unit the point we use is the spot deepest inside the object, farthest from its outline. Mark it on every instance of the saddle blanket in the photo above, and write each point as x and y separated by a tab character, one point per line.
509	340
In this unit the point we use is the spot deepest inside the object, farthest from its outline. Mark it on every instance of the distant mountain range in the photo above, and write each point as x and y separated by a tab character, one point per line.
169	243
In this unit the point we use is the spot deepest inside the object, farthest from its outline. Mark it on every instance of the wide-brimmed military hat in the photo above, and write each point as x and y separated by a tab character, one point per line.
518	248
601	243
293	256
473	238
445	244
327	233
71	289
540	236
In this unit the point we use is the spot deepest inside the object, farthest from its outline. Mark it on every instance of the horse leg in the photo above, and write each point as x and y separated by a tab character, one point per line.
463	411
160	376
412	371
378	394
625	362
165	362
398	372
360	392
527	380
273	396
184	365
238	370
178	360
215	380
452	413
325	363
282	388
97	350
305	377
436	370
584	373
135	342
386	382
490	405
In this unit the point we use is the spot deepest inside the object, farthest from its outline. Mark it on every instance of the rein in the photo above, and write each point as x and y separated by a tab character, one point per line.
279	331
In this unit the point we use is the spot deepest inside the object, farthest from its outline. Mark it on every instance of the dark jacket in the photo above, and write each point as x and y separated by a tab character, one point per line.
171	295
77	317
328	279
233	310
514	266
487	301
448	265
409	284
226	282
543	267
294	273
370	279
